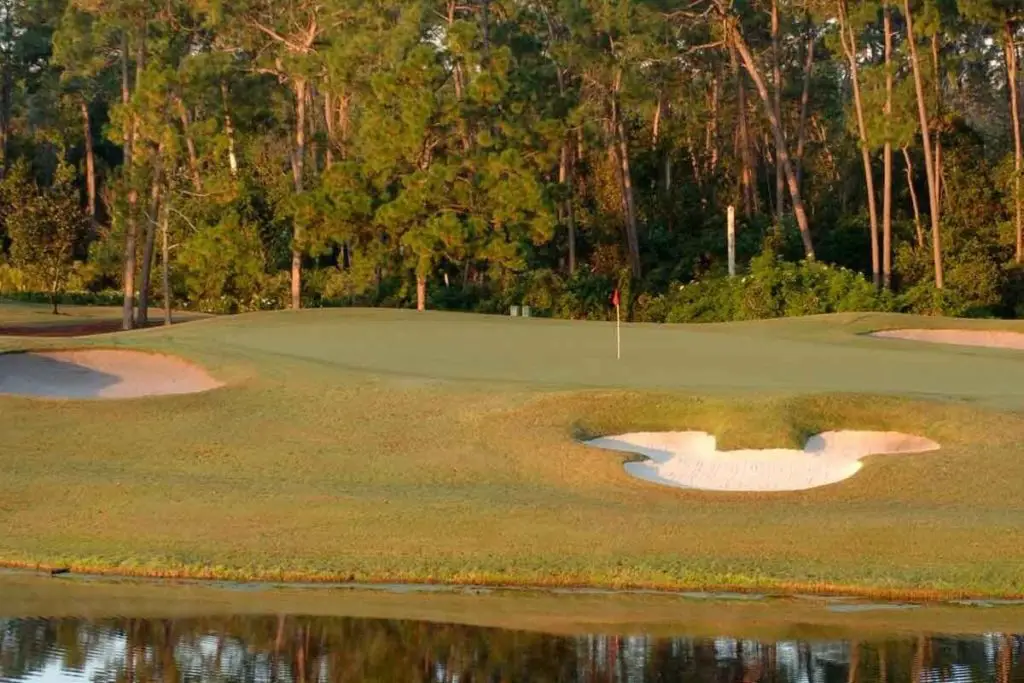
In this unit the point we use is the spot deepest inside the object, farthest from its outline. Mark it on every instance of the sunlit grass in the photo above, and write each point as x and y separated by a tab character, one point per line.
385	446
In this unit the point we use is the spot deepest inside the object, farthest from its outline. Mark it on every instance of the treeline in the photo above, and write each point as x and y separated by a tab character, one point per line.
249	154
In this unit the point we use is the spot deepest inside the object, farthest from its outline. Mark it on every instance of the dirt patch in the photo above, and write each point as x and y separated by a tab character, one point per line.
993	339
100	373
692	459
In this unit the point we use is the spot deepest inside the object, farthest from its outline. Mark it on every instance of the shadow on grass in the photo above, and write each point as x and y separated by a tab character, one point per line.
750	422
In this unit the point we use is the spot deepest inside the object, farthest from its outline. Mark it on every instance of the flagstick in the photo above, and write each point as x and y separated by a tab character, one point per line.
618	334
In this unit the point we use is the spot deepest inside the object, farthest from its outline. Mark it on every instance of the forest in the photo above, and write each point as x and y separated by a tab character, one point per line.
241	155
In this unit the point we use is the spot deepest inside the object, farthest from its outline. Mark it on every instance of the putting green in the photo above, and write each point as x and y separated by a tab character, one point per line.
821	354
390	445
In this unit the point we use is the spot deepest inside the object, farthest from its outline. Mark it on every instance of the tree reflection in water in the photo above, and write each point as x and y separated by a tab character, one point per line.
301	650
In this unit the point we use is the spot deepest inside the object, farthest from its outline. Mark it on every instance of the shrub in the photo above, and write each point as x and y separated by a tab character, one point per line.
104	298
224	271
772	289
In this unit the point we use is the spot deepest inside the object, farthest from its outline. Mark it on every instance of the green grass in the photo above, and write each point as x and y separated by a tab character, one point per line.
394	446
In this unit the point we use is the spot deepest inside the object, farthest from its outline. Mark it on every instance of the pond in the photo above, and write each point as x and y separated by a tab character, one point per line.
295	648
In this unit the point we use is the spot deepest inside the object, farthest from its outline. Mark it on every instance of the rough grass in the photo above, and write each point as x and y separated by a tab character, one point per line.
18	313
22	318
390	446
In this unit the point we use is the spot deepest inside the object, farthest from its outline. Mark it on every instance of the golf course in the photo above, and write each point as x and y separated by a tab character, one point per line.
398	446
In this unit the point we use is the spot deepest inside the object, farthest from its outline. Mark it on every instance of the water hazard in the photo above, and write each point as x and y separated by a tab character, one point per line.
317	650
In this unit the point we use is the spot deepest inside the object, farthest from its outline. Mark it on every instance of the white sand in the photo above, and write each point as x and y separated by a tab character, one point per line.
692	459
993	339
100	374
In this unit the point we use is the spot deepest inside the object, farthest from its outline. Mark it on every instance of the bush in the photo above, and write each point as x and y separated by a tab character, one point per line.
585	296
925	299
975	285
104	298
224	270
772	289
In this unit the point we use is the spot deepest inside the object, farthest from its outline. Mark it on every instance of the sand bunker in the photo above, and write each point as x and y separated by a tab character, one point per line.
692	459
99	374
992	339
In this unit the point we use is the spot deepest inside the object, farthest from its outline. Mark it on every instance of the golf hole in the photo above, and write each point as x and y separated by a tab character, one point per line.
100	374
692	460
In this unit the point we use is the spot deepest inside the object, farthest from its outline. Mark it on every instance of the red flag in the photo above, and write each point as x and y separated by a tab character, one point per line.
615	298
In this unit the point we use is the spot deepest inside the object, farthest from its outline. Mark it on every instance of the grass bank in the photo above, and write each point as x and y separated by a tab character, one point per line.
390	446
535	611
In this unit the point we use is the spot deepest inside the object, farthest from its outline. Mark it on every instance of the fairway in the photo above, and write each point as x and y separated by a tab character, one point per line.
390	445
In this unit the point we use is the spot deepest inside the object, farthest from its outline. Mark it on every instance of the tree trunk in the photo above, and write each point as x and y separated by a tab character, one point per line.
627	190
6	90
128	310
312	131
165	253
55	285
922	112
566	167
90	162
938	117
711	135
913	199
1018	151
656	124
621	148
458	78
421	292
128	279
746	174
298	170
776	126
150	241
565	171
887	154
780	140
229	130
691	151
190	144
805	101
849	41
331	134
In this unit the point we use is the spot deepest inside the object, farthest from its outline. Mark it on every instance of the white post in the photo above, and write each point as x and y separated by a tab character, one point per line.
731	234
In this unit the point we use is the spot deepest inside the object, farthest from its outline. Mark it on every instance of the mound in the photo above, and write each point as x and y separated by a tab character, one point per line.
692	459
100	373
993	339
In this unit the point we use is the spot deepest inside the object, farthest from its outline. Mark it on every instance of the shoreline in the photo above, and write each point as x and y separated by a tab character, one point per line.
752	592
565	612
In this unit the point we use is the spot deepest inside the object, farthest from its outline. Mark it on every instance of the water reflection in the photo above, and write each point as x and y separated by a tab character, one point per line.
320	650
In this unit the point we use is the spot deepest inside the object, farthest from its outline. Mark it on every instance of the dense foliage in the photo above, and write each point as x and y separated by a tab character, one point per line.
250	154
